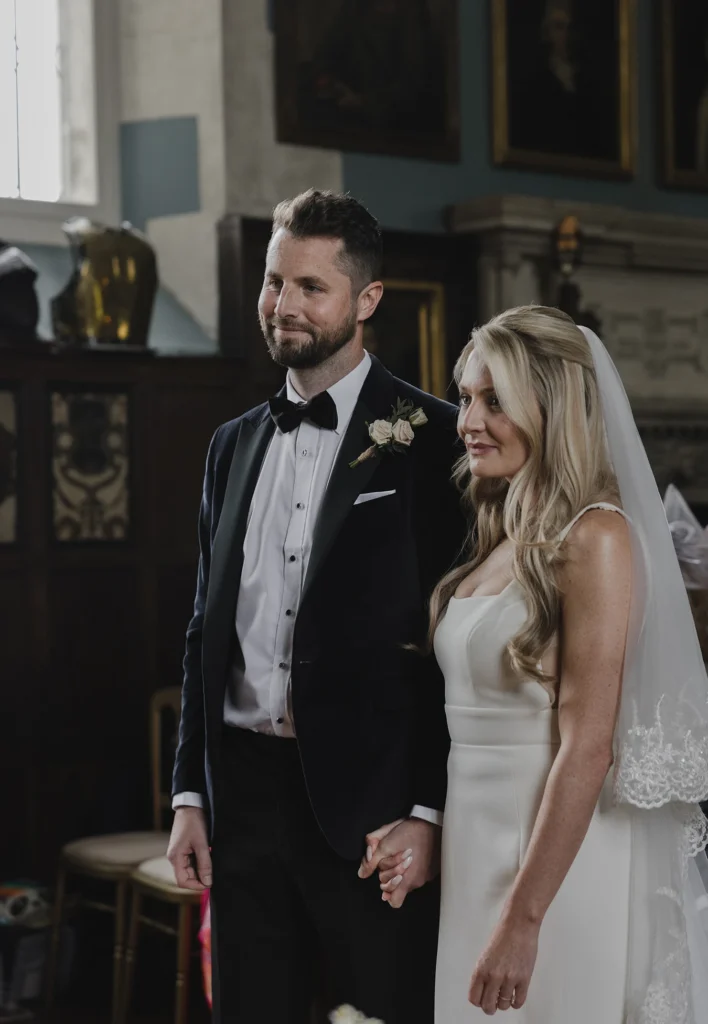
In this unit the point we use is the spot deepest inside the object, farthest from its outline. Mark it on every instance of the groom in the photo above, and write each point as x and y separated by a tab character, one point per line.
306	724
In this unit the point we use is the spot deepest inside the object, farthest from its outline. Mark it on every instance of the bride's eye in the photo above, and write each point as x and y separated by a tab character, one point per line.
493	401
464	401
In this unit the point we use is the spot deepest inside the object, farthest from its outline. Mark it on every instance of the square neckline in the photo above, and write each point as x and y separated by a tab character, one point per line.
484	597
605	506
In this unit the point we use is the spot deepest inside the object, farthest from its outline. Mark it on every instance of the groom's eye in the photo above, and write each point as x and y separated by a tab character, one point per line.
464	400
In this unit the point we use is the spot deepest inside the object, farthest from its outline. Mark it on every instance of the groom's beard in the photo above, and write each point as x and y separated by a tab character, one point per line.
299	354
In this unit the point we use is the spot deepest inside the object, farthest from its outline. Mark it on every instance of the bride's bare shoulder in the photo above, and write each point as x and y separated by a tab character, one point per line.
598	546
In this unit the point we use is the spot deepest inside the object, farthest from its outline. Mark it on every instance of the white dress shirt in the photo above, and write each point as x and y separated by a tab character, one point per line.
284	508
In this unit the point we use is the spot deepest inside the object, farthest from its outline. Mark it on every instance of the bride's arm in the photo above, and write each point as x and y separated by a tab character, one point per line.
595	584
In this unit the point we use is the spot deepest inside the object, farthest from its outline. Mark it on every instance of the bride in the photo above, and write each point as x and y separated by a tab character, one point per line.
576	703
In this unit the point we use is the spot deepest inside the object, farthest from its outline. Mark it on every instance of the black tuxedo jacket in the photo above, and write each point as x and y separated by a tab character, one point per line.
369	715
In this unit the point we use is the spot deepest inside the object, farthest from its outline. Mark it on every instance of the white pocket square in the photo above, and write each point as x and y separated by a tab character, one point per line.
372	495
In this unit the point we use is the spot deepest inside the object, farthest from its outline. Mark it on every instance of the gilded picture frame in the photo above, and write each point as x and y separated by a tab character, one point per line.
564	86
683	44
408	333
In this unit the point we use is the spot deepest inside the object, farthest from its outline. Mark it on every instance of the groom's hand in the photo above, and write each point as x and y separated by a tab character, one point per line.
406	858
188	852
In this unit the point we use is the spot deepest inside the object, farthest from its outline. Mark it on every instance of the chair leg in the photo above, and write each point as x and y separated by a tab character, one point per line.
53	954
118	950
129	972
184	947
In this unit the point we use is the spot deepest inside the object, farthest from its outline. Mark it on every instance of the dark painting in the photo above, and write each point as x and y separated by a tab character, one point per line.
563	85
684	41
377	76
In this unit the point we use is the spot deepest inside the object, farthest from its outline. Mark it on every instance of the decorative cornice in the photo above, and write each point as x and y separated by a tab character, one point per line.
613	236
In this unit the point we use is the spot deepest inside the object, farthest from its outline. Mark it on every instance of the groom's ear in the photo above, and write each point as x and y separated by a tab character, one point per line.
369	298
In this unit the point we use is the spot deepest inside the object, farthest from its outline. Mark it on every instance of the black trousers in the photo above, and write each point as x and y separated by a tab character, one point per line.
292	924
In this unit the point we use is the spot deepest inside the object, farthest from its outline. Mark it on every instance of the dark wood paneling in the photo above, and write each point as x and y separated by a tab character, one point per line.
203	409
97	644
175	600
88	632
18	686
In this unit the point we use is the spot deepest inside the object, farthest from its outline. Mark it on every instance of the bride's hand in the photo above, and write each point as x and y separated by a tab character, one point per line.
500	980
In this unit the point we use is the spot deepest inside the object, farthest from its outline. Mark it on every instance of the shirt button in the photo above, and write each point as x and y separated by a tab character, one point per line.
283	664
299	505
305	451
280	721
292	558
288	613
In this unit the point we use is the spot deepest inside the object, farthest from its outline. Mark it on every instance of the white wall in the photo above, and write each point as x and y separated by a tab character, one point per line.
171	67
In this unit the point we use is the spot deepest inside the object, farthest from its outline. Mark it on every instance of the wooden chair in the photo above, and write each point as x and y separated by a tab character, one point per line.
155	880
113	858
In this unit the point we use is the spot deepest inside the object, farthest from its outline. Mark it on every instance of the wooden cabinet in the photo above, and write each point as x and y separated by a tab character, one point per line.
90	625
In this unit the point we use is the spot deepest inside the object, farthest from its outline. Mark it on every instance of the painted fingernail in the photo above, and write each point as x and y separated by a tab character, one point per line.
360	872
407	853
407	863
397	880
369	853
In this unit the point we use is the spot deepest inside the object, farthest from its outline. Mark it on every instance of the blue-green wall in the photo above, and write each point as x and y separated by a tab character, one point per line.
412	193
159	168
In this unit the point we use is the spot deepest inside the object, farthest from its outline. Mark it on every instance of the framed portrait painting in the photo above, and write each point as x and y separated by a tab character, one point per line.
684	90
374	76
564	85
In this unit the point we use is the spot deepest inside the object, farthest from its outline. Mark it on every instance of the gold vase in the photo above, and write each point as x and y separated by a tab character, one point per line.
108	300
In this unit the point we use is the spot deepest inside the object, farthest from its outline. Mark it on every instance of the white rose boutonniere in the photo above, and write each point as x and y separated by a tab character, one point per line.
381	432
403	432
396	433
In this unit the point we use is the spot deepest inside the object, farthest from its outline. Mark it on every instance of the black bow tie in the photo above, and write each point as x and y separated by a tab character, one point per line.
320	410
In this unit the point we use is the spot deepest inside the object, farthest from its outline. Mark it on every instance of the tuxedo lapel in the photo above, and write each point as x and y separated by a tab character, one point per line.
227	550
346	483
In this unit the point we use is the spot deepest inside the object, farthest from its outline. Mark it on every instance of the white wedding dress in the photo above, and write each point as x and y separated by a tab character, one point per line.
504	740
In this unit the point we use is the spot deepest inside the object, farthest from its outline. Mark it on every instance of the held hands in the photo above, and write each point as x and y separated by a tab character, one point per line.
406	854
500	980
188	852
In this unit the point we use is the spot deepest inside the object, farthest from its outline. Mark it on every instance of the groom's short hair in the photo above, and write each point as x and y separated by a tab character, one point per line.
324	214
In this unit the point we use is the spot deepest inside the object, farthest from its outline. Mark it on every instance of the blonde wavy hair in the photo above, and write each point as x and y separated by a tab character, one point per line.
544	379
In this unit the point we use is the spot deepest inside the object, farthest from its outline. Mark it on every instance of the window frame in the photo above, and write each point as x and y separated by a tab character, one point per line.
39	222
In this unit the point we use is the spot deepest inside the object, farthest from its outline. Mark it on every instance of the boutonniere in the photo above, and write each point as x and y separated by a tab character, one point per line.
396	433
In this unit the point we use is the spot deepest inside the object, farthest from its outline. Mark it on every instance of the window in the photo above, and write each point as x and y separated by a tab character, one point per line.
58	121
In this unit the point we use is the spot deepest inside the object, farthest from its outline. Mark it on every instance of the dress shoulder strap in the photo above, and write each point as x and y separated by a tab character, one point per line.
605	505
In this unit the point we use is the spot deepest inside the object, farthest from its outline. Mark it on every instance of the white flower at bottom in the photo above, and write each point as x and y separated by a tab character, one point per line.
348	1015
380	432
403	432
